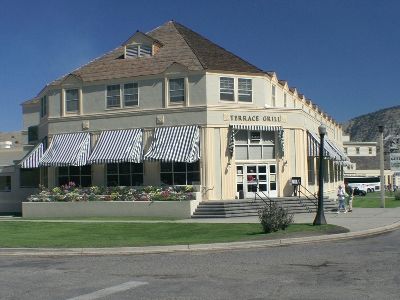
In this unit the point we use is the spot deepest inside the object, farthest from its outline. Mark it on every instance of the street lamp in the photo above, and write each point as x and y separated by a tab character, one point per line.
320	217
381	154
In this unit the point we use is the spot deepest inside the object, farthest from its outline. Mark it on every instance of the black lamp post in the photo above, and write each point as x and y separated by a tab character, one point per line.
320	217
382	166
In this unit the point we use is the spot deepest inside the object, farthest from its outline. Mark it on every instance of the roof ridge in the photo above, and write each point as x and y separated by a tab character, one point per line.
187	43
211	42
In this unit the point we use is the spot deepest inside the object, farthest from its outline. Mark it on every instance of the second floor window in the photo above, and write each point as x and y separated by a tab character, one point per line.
33	134
72	100
113	96
245	90
227	89
284	100
273	96
177	90
43	106
131	94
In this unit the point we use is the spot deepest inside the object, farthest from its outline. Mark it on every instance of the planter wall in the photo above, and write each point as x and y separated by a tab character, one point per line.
175	209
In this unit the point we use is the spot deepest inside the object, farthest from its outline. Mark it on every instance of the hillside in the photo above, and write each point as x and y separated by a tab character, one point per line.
365	128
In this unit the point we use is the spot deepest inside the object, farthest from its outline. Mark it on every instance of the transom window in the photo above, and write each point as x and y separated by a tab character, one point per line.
180	173
177	90
81	176
227	89
72	100
113	96
245	90
125	174
131	94
254	145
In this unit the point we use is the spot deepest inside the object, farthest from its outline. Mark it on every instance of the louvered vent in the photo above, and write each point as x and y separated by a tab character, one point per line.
145	50
137	50
131	51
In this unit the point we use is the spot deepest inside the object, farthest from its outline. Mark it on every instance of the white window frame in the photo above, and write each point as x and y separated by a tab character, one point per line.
236	93
77	111
106	91
273	95
241	94
233	90
124	94
185	91
121	95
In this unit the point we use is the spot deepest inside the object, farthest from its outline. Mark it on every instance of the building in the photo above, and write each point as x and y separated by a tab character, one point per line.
365	161
171	107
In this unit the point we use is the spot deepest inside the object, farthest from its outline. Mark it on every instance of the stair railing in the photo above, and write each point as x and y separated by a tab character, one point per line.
313	198
258	194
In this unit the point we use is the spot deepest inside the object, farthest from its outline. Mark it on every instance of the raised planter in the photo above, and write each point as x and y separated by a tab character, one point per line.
174	209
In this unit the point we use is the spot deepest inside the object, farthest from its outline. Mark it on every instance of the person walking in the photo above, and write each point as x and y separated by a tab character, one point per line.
341	194
350	195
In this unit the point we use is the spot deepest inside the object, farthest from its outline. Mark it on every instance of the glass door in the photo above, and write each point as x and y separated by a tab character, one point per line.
256	177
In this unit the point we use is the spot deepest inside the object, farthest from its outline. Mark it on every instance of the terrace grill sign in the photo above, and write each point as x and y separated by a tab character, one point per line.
395	161
254	118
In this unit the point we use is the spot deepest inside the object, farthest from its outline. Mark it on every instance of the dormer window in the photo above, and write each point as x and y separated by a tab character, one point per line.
138	50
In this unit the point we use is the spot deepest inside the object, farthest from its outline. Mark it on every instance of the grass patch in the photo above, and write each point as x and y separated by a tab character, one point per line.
70	235
373	200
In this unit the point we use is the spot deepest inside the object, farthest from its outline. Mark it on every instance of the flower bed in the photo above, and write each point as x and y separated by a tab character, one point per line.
72	193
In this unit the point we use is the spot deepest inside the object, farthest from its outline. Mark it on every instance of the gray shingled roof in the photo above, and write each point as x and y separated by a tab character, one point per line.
180	45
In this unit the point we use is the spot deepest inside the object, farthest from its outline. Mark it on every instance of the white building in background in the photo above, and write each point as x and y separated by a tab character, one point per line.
171	107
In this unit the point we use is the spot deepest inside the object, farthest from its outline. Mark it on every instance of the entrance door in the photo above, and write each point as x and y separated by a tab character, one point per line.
254	178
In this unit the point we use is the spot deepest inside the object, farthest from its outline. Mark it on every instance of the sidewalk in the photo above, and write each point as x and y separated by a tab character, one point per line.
362	222
359	219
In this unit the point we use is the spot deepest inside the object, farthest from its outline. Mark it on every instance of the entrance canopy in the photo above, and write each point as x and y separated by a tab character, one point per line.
32	159
70	149
175	144
256	127
118	146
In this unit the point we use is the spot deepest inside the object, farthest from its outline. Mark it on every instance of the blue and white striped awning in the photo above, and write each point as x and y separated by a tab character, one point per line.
259	127
118	146
330	148
69	149
31	160
175	144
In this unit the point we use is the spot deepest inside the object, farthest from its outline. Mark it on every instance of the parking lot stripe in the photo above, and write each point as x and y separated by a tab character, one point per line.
110	290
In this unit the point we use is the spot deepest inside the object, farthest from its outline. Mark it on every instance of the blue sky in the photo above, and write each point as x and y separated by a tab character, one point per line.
344	55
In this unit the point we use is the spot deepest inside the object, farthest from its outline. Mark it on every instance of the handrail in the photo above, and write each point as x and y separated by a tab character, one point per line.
308	198
262	192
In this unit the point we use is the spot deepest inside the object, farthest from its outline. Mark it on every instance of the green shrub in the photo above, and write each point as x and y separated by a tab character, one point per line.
274	218
397	195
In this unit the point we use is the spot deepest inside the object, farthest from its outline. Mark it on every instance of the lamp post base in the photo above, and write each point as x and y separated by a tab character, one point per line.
319	219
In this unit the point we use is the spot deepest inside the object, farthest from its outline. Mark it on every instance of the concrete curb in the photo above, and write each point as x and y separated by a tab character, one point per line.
46	252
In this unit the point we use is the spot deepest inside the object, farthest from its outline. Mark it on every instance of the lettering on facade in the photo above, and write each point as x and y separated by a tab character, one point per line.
254	118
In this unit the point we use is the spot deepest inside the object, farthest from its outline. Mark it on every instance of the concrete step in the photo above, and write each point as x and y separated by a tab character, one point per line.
250	207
